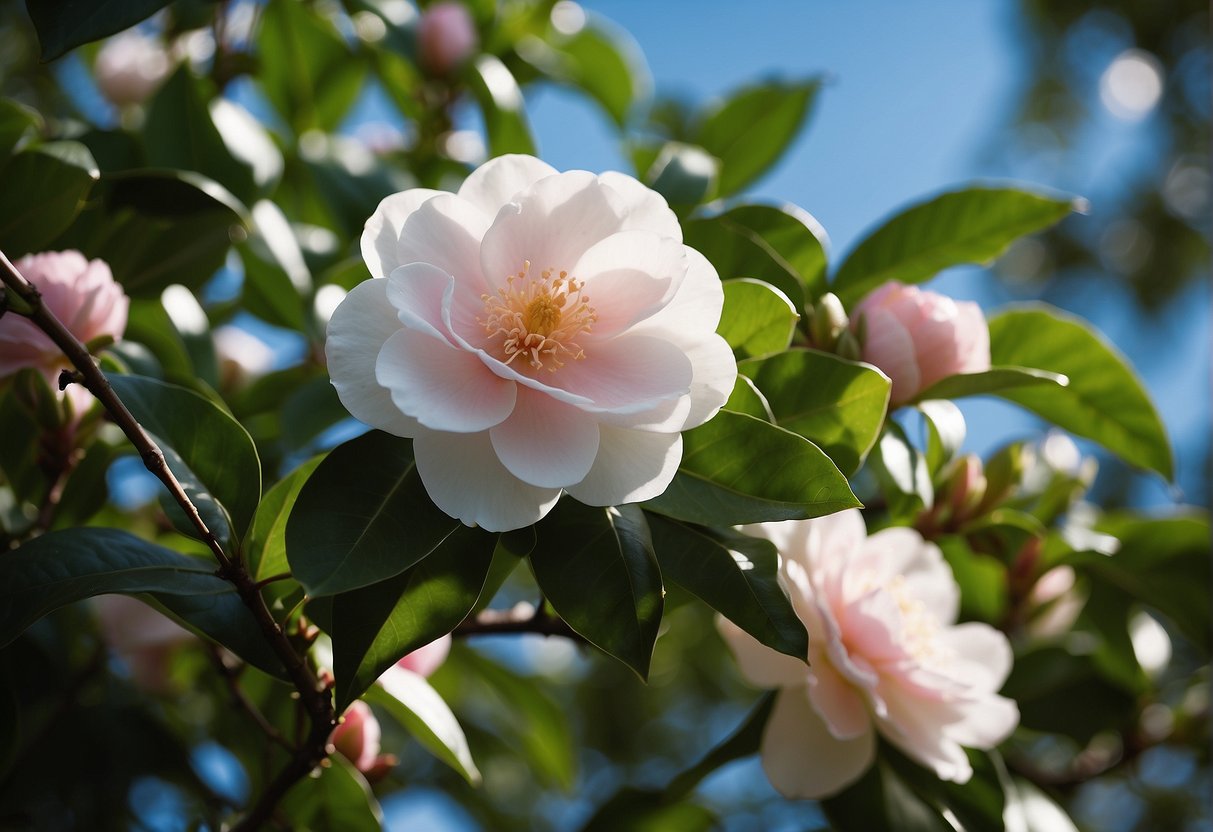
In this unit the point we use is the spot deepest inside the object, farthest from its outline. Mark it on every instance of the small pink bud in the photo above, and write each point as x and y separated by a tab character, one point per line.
447	36
357	737
425	660
130	67
919	337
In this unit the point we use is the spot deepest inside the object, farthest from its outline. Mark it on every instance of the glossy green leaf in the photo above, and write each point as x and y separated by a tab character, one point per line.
946	431
1061	689
737	469
838	405
901	469
684	174
307	70
758	319
157	228
338	799
970	226
1104	401
180	134
411	701
17	122
597	569
148	324
754	127
783	246
748	399
53	180
362	517
647	810
599	60
65	566
501	102
65	24
993	380
734	574
512	548
376	626
982	580
265	548
207	449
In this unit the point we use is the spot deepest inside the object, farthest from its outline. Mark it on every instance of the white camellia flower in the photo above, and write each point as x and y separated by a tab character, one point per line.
535	332
885	655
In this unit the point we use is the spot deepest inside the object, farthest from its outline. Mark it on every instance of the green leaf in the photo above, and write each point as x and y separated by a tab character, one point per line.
62	567
737	469
307	70
362	517
157	228
500	101
512	548
597	569
783	246
179	134
970	226
376	626
743	742
734	574
16	122
415	705
1104	401
265	548
982	580
645	810
901	469
837	404
1062	689
684	174
65	24
208	450
338	799
758	319
945	432
993	380
599	60
753	128
748	399
52	181
882	800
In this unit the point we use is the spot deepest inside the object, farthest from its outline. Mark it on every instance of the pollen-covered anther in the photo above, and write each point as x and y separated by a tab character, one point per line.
539	318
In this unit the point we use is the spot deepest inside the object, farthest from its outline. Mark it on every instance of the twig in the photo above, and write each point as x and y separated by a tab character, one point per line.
521	618
231	676
23	299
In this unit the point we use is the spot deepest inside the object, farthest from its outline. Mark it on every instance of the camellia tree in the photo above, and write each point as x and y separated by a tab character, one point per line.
634	413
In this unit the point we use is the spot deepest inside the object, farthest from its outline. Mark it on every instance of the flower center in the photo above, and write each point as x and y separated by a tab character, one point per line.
539	318
920	628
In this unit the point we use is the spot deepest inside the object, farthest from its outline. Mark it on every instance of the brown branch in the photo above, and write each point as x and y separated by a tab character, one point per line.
521	618
231	677
22	298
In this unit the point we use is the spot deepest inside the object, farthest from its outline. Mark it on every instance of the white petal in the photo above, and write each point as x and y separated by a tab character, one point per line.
545	442
985	722
839	704
443	387
499	180
631	466
414	693
464	478
360	326
551	225
417	291
760	665
628	374
800	756
695	309
713	374
983	653
381	235
446	232
629	276
645	208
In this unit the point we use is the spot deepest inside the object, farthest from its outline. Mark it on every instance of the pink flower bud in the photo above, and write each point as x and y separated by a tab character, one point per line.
142	637
447	36
357	737
425	660
130	67
919	337
83	295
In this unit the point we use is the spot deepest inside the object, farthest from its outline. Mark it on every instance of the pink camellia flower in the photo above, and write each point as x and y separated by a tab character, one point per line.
357	737
427	658
447	36
83	295
130	67
884	656
536	331
919	337
143	637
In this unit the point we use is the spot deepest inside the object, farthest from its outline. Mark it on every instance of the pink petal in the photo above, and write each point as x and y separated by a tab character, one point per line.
800	756
694	311
761	666
837	701
629	276
443	387
418	291
446	231
499	180
888	346
644	208
464	478
631	466
545	442
427	658
381	235
628	374
359	328
983	653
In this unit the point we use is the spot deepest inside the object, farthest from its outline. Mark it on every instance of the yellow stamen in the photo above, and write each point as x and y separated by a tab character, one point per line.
539	317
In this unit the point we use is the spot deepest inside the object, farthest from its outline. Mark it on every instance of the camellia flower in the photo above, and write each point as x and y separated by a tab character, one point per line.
357	739
427	658
130	67
884	656
919	337
536	331
447	36
83	295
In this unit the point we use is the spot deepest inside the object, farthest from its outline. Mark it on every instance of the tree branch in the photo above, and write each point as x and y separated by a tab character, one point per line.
521	618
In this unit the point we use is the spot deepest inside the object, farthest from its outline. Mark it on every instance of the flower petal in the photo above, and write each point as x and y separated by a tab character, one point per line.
446	231
631	466
644	208
983	653
499	180
464	478
888	345
545	442
359	328
628	374
695	309
713	374
800	756
442	387
381	234
417	291
839	704
628	277
760	665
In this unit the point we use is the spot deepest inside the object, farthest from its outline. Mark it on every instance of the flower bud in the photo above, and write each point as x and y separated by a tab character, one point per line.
1003	472
447	36
966	488
357	737
130	67
919	337
848	347
827	321
425	660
